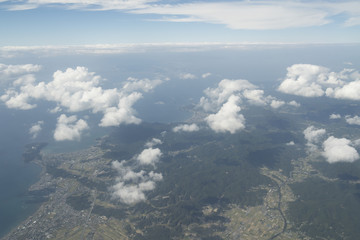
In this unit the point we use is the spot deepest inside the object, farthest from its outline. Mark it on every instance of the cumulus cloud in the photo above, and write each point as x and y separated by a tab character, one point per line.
153	142
227	118
309	80
339	150
255	96
353	120
69	128
129	194
17	100
356	142
123	113
302	80
146	85
205	75
187	76
334	116
186	128
294	104
334	149
349	91
10	71
76	90
149	156
24	80
224	103
277	103
313	137
291	143
36	128
215	97
131	185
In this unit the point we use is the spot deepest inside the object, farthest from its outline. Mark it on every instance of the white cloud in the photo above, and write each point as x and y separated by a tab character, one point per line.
153	142
187	76
131	186
123	113
353	120
334	149
277	103
24	80
291	143
349	91
314	135
356	142
76	90
55	109
339	150
257	15
334	116
146	85
309	80
205	75
133	176
224	102
255	96
91	5
215	97
17	100
111	49
128	194
149	156
186	128
7	71
69	128
294	104
273	14
36	128
301	79
228	117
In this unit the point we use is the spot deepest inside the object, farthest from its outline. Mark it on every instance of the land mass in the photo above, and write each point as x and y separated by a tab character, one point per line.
215	186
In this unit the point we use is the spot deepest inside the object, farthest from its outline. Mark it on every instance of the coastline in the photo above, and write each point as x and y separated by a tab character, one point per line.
53	190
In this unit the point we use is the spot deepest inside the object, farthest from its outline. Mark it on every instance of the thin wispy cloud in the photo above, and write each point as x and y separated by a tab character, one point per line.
186	128
111	49
258	15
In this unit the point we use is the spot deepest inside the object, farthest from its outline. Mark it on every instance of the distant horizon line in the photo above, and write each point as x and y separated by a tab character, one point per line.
118	48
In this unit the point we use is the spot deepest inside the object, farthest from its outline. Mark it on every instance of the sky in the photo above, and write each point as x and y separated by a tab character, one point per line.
75	22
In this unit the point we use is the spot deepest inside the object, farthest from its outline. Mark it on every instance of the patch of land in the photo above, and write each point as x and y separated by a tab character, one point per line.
215	186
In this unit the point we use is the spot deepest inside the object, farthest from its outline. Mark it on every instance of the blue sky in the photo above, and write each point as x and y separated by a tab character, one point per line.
74	22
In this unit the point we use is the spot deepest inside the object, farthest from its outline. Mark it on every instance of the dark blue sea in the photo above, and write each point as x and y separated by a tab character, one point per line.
15	175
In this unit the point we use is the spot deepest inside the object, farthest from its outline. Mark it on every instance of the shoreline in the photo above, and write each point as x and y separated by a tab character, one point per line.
55	213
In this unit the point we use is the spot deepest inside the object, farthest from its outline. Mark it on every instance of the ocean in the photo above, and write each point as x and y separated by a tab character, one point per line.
16	176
